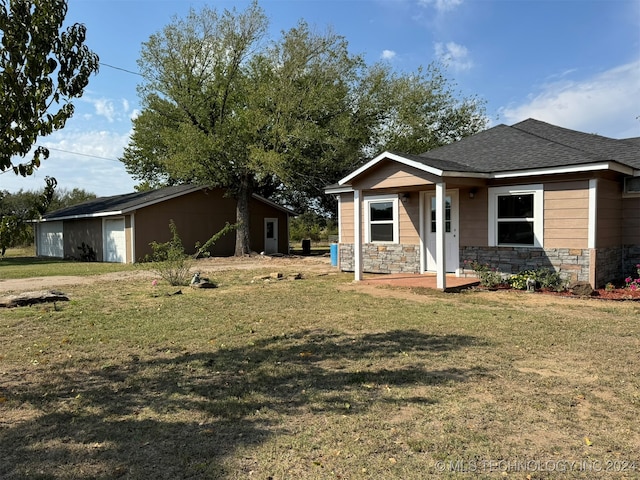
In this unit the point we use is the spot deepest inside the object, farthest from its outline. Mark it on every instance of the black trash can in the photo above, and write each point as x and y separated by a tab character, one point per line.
306	247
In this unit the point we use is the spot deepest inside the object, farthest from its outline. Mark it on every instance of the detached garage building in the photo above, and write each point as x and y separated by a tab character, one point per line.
120	228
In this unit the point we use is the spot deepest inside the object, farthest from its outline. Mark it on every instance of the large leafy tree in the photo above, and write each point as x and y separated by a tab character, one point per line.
223	106
41	69
17	209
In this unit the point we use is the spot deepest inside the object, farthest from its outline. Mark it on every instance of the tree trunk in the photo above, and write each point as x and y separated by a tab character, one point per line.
243	246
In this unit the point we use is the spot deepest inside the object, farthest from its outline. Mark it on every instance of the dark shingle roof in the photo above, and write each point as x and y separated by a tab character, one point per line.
440	163
118	203
130	201
603	148
533	144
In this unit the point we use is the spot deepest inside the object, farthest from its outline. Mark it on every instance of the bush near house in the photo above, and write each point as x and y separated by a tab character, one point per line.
491	277
544	278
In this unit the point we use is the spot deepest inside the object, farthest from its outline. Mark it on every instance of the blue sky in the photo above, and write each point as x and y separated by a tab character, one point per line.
573	63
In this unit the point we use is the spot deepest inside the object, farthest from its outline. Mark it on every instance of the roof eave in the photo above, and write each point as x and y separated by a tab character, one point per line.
77	217
149	203
390	156
335	190
589	167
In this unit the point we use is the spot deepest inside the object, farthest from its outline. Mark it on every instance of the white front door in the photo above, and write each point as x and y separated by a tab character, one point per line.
115	245
451	246
270	235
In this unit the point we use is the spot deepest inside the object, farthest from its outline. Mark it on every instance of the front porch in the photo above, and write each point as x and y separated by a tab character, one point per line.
415	280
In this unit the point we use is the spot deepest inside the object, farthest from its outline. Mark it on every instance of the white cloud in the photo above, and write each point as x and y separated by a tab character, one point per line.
111	110
441	5
453	55
82	159
105	108
606	103
388	54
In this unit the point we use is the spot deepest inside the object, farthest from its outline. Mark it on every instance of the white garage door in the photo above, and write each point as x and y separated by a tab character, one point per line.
50	239
115	245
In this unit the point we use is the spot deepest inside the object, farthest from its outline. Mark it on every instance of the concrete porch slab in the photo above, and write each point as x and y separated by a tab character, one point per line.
414	280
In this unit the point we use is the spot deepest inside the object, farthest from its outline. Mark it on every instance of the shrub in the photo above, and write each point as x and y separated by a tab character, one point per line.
519	280
544	278
170	260
489	277
88	254
548	278
631	283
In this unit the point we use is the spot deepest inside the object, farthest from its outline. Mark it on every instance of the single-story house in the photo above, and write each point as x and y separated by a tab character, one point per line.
517	197
121	228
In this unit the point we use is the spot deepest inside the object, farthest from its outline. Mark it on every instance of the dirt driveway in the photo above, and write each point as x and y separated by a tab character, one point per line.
312	264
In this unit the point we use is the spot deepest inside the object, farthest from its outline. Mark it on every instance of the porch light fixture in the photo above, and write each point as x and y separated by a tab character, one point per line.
472	192
405	198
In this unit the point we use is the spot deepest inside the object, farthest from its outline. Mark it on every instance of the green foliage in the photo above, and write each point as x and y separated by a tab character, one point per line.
631	283
519	280
64	198
204	248
39	66
16	210
282	118
88	253
170	260
489	277
311	226
544	278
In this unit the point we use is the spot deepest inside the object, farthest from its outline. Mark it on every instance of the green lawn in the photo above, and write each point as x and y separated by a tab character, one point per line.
318	378
21	263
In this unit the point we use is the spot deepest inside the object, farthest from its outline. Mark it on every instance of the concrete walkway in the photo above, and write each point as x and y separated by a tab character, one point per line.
413	280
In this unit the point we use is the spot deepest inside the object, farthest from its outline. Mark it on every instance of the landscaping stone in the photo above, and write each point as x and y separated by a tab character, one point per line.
32	298
582	289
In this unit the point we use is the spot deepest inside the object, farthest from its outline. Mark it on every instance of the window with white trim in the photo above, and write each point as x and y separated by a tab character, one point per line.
381	219
516	216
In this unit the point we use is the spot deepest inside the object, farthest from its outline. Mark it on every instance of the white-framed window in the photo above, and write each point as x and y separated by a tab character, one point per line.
381	219
516	216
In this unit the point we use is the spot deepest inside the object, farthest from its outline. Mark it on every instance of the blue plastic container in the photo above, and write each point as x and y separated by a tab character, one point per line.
333	249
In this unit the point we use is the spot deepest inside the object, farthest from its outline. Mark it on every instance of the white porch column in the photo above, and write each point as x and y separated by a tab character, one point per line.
357	235
423	232
441	281
593	213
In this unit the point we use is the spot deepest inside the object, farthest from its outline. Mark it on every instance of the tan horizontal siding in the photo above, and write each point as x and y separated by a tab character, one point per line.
409	217
392	175
473	218
346	217
566	203
566	214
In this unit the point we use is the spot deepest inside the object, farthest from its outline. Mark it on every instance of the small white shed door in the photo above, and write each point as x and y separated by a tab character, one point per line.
50	242
270	235
115	245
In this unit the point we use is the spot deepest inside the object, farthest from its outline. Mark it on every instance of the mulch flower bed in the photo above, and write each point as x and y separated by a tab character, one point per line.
599	293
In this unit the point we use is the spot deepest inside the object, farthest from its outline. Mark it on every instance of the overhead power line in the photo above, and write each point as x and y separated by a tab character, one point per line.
121	69
83	154
72	153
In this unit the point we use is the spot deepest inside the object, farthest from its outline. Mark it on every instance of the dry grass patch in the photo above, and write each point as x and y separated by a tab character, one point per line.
316	379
